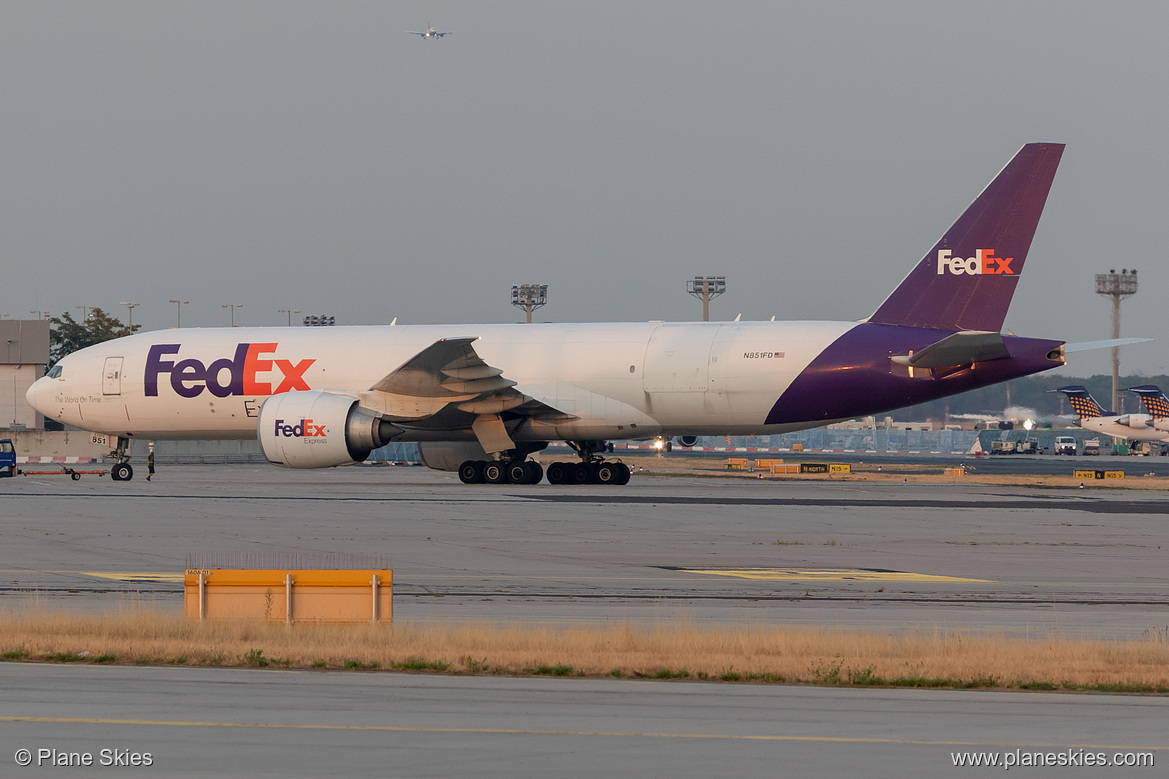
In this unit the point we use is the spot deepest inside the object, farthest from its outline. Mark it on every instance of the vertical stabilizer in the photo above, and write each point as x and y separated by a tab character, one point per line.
1156	404
966	281
1082	402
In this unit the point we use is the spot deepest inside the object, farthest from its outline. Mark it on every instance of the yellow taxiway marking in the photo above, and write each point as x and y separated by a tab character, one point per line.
526	732
132	577
829	575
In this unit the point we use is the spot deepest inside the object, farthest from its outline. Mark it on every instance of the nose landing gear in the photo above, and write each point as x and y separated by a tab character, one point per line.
122	471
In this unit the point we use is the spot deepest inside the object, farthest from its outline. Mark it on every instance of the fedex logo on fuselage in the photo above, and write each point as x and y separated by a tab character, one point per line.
238	375
982	263
306	428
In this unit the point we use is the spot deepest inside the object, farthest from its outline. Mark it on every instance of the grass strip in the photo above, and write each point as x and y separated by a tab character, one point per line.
668	652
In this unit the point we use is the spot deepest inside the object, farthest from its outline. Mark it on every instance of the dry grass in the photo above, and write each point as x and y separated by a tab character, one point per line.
727	653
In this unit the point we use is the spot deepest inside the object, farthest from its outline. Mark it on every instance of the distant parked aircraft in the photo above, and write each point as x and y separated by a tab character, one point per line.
1133	427
430	33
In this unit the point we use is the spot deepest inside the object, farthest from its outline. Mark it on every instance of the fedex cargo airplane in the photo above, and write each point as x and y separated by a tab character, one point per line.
480	399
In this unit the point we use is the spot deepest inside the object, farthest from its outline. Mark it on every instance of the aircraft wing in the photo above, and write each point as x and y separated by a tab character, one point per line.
450	376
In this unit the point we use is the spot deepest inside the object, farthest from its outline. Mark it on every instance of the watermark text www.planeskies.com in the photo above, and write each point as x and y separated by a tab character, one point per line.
1067	758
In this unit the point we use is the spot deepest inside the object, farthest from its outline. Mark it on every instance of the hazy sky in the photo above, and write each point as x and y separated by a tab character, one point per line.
314	156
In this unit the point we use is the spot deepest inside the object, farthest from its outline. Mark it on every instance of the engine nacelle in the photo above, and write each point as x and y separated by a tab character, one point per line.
316	429
449	455
687	440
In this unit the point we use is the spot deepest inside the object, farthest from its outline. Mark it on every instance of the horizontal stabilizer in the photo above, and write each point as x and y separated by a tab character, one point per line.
1087	346
961	348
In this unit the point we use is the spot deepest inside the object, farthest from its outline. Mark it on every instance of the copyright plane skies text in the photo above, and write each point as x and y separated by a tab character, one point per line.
481	398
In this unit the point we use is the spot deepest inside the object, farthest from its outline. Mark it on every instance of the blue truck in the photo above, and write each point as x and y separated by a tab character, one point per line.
7	458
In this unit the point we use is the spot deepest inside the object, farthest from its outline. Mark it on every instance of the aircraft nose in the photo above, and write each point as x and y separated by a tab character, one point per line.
36	393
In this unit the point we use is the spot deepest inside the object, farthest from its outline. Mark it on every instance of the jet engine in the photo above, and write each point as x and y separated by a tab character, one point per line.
316	429
687	440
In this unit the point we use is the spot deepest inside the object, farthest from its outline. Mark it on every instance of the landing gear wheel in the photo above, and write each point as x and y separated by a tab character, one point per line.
494	472
535	472
557	473
583	473
471	472
122	472
517	472
605	473
623	473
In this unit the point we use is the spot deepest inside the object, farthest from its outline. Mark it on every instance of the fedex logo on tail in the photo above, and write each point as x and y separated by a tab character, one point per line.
238	375
982	263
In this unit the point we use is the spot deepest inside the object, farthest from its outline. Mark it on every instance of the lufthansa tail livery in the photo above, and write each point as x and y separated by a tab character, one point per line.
480	399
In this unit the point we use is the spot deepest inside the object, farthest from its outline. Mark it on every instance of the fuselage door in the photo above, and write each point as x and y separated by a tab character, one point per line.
111	377
677	358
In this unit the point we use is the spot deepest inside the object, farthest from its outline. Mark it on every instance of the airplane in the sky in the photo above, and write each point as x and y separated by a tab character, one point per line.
480	399
429	33
1131	427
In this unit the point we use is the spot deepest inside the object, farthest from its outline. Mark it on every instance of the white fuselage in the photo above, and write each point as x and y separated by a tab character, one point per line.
1136	428
612	381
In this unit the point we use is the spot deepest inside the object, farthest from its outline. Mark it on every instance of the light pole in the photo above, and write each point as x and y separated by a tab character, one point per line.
529	297
706	287
84	313
1116	286
40	314
233	307
290	312
179	311
131	307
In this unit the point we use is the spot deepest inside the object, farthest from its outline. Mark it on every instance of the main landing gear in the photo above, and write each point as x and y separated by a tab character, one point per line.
589	473
592	469
501	472
122	471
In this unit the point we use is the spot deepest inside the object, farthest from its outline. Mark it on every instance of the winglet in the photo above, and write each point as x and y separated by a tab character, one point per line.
966	281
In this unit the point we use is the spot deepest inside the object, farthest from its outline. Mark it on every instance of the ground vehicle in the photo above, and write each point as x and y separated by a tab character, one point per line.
7	458
1092	447
1066	444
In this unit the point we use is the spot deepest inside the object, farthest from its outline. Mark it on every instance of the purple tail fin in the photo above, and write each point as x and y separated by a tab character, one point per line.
967	280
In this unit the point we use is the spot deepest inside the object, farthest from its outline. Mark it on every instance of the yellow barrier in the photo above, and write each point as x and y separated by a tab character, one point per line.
303	596
738	464
785	468
797	447
955	472
765	465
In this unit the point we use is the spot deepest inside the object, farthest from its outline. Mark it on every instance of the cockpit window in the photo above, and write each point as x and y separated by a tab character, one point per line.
55	373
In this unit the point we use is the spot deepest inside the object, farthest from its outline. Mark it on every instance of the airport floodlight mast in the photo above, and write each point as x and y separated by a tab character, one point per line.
41	314
319	321
706	288
529	297
233	307
130	307
290	312
1116	286
179	315
84	313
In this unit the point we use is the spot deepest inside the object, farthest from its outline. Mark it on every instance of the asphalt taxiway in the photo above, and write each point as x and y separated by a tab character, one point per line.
230	722
1027	561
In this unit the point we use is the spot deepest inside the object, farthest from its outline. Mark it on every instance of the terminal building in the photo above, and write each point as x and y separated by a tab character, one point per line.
24	353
